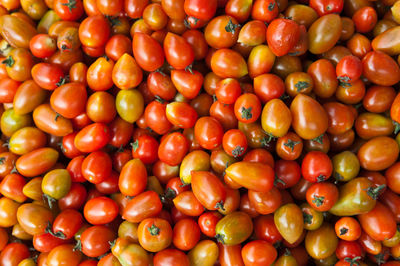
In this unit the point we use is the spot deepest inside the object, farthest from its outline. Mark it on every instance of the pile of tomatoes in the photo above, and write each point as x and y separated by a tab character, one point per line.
199	132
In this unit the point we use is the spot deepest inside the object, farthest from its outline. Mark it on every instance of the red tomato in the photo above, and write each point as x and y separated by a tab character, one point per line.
282	36
173	148
100	210
316	166
96	167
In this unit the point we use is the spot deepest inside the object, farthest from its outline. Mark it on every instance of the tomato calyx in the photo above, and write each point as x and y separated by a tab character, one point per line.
307	218
50	200
374	192
238	151
321	178
220	238
9	61
14	170
57	234
78	245
247	113
338	177
159	99
287	252
154	230
343	231
301	85
65	48
278	180
271	6
161	72
135	145
344	81
71	5
220	205
319	139
396	127
2	159
114	21
57	116
290	144
318	201
231	27
353	261
380	258
112	243
63	80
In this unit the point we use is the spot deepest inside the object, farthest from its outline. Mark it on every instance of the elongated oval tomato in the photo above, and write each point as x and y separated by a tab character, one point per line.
47	120
178	52
133	178
255	176
92	137
69	100
208	189
144	205
227	63
36	162
187	83
147	51
47	76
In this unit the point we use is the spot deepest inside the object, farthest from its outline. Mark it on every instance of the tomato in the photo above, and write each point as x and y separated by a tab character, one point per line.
36	162
186	234
95	240
255	176
345	166
48	76
126	72
289	147
265	202
143	206
187	203
100	210
289	222
282	36
170	256
321	243
309	119
46	242
199	9
378	99
14	253
316	166
69	100
16	31
380	68
348	228
259	252
34	218
370	157
324	33
234	228
324	7
173	148
276	118
68	10
322	196
92	137
228	63
355	197
379	223
247	108
365	19
89	34
234	142
133	178
349	68
222	32
147	51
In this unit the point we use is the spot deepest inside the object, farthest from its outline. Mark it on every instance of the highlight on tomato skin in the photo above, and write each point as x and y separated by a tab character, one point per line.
201	133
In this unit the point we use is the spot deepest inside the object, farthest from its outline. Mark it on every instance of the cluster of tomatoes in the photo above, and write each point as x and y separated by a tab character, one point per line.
199	132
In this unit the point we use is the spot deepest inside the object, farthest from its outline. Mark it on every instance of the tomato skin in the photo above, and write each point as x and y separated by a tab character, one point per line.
371	159
186	234
69	100
264	10
68	222
306	127
46	242
199	9
365	19
265	202
100	210
380	68
47	75
330	26
322	196
89	34
316	166
95	240
133	178
348	228
188	84
147	51
34	218
259	252
208	132
36	162
62	9
247	108
208	189
126	72
173	148
181	114
12	187
8	89
265	229
92	137
169	257
178	52
282	36
324	7
327	242
13	254
276	118
255	176
144	205
228	63
379	223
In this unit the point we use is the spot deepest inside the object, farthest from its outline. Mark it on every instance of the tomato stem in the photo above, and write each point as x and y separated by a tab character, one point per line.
154	230
231	27
307	218
9	61
290	144
71	5
220	205
343	231
318	201
220	238
374	192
